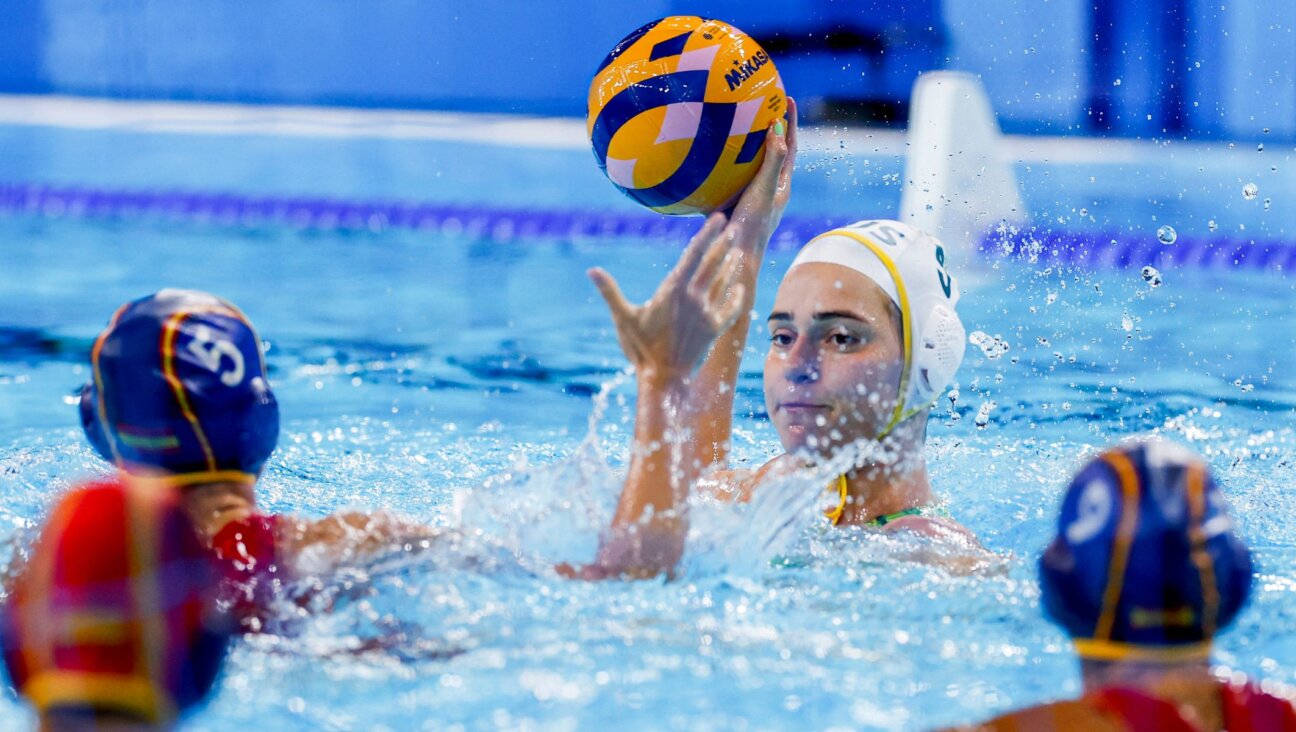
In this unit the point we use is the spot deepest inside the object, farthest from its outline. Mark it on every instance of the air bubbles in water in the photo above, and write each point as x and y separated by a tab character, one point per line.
1084	212
1152	277
1267	203
1127	323
1167	235
1250	191
1212	225
992	347
1260	147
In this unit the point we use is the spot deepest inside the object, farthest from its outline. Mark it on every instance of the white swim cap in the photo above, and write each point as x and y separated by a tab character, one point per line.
909	266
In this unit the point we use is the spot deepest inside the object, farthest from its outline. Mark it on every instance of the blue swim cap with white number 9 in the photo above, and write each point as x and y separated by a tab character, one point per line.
1146	564
179	385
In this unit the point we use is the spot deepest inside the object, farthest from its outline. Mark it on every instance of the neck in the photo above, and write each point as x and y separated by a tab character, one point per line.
895	484
212	505
1189	685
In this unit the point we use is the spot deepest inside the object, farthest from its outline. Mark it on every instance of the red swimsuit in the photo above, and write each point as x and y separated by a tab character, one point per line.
1249	709
250	563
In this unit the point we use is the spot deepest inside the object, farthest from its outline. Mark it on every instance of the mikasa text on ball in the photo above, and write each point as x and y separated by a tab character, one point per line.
678	113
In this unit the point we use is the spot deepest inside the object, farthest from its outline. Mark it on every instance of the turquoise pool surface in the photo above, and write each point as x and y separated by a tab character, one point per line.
476	385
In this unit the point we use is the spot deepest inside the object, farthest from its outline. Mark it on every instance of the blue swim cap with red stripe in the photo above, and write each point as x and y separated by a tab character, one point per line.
180	385
1146	564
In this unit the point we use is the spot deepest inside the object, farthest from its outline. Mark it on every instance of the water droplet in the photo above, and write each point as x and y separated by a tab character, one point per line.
983	414
1212	225
1127	323
1244	387
1267	203
1152	277
1051	298
1260	147
992	347
1116	83
1084	212
1250	191
1167	234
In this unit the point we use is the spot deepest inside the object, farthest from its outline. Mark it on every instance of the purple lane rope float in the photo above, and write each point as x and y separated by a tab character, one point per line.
1086	249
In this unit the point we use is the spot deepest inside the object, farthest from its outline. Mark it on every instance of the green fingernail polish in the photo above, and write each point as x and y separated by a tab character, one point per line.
779	127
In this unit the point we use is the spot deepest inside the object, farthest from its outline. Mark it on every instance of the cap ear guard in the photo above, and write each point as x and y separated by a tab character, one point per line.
90	423
939	353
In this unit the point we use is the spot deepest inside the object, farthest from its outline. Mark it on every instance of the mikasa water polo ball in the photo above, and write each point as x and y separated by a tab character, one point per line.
678	113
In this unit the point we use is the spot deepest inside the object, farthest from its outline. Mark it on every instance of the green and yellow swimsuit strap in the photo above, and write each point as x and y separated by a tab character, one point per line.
835	514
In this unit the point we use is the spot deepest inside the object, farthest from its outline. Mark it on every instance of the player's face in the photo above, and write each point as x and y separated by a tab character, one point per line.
832	373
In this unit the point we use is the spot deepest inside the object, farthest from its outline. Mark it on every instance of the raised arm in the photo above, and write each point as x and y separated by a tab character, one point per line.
665	339
751	225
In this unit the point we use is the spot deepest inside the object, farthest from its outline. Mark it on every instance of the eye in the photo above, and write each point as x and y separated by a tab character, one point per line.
844	340
782	338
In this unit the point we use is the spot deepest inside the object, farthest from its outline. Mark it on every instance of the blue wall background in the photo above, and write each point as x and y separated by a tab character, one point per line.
1153	68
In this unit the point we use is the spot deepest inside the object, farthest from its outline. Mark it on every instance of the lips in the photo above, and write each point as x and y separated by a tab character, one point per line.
802	407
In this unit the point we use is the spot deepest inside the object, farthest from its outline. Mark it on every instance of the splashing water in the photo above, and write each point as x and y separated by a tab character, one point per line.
983	413
992	347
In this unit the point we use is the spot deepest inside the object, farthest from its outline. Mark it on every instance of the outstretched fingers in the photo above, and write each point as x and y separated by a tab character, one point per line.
728	311
611	292
712	261
725	277
698	247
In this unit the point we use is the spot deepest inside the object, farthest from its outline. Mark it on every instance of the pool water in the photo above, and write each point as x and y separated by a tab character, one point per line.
475	384
454	380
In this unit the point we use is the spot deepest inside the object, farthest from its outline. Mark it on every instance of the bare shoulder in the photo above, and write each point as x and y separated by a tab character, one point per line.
936	527
732	486
948	544
739	485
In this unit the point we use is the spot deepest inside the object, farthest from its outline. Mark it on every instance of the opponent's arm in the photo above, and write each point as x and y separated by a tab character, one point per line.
752	223
352	536
664	339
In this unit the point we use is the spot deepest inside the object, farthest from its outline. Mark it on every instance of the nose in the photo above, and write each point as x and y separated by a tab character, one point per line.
802	365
